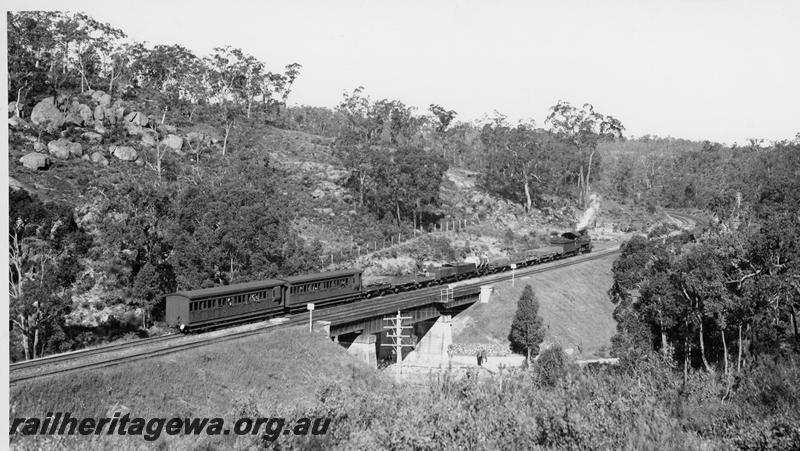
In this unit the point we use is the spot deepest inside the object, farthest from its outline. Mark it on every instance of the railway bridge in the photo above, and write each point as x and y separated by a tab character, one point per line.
368	330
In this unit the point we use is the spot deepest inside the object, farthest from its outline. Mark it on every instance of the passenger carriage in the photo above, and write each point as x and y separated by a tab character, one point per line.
321	288
230	304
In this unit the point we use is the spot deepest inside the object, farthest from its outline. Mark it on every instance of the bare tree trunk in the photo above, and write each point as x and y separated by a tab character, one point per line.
16	105
586	180
164	115
25	343
687	351
225	140
35	341
703	347
528	202
725	350
361	179
397	209
663	335
739	359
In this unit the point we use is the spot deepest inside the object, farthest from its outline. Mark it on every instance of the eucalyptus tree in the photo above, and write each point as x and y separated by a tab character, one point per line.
583	128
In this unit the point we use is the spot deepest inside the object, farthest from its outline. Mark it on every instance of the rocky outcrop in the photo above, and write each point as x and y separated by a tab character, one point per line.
79	114
99	158
137	118
64	148
124	153
46	114
103	99
133	129
148	140
35	160
174	142
99	113
17	122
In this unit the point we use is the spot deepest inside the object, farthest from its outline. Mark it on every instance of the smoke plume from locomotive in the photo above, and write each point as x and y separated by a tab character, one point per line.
590	214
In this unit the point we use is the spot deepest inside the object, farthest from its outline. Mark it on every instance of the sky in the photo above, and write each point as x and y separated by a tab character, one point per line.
724	71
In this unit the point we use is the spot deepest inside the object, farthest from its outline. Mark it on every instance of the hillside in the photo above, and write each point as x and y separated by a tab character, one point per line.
276	374
573	302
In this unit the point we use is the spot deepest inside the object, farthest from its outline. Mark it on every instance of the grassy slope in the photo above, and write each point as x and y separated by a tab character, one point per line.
279	372
572	301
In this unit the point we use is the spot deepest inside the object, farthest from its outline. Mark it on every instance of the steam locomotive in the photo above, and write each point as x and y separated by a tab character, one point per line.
233	304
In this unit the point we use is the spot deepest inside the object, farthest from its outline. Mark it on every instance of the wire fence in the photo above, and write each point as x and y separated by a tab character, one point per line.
356	250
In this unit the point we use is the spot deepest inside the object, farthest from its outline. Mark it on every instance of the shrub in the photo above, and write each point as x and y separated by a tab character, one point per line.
551	366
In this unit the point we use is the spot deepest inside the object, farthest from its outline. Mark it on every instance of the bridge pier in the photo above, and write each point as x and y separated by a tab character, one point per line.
486	293
432	349
363	348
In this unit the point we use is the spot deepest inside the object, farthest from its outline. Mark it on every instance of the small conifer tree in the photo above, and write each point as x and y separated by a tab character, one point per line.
527	330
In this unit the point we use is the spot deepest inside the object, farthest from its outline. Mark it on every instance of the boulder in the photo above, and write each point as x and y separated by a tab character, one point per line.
139	162
35	160
99	113
119	114
98	127
46	114
105	100
86	113
62	148
134	129
79	113
97	94
148	140
124	153
17	122
93	137
174	142
99	158
137	118
39	147
317	194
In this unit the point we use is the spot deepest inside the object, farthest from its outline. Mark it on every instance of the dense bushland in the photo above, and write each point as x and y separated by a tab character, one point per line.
646	407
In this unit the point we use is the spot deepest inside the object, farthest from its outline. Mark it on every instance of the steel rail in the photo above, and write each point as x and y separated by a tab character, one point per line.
343	312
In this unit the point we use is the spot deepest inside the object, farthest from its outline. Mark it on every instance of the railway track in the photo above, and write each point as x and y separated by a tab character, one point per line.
115	354
83	353
682	220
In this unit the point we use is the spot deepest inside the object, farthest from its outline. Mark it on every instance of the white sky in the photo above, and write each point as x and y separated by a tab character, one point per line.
718	70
